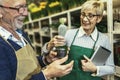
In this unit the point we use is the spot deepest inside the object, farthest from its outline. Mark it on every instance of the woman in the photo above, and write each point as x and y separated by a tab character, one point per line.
84	41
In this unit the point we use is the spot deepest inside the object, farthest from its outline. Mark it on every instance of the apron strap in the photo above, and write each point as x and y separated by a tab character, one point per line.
96	41
74	36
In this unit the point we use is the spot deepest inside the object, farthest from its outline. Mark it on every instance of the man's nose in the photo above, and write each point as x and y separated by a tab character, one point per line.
25	13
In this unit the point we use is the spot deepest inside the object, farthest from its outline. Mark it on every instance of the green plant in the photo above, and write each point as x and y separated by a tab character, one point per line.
79	2
53	6
67	4
102	28
26	19
36	15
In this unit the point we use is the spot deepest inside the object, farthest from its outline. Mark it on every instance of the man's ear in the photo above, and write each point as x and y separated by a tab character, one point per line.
99	19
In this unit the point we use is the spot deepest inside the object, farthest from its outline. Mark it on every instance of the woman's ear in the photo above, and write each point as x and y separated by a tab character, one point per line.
1	15
99	19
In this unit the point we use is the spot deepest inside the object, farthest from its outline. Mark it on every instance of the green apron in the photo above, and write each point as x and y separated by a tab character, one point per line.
76	53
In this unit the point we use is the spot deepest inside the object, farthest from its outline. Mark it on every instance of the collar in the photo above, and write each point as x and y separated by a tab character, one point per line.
6	34
83	33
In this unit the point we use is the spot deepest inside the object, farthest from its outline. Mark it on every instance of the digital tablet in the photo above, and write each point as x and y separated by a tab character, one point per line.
100	56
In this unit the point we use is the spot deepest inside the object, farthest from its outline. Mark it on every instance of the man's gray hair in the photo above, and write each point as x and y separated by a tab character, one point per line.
3	1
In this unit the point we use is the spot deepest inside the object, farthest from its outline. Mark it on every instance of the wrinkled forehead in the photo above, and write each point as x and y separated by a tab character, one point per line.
89	10
13	2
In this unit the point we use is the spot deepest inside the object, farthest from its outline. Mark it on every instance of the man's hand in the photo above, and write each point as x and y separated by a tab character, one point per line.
57	69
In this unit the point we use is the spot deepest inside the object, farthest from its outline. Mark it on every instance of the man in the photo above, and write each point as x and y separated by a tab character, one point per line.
17	58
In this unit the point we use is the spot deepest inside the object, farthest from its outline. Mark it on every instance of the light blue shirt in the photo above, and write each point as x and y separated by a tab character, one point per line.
84	40
7	35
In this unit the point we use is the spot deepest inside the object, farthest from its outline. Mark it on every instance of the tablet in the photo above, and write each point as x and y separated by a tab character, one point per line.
100	56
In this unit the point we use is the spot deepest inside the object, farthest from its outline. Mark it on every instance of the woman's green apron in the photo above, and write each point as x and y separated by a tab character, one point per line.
76	53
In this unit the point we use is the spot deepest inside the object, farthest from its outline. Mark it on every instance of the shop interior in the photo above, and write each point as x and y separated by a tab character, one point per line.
44	18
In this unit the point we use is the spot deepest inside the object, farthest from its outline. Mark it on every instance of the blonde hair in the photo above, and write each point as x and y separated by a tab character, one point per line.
3	1
98	6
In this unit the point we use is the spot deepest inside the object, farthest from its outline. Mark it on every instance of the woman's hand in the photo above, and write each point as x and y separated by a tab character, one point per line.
87	65
55	41
52	56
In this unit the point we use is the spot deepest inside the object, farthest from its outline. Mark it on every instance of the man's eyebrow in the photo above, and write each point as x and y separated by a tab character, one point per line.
20	5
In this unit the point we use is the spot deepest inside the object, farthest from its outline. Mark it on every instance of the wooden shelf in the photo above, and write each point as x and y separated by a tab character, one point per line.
117	73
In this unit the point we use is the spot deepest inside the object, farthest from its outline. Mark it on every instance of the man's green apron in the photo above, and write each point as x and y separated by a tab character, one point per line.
76	53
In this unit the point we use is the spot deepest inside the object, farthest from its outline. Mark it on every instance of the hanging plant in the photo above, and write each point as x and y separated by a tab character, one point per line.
38	11
80	2
64	4
54	7
68	4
